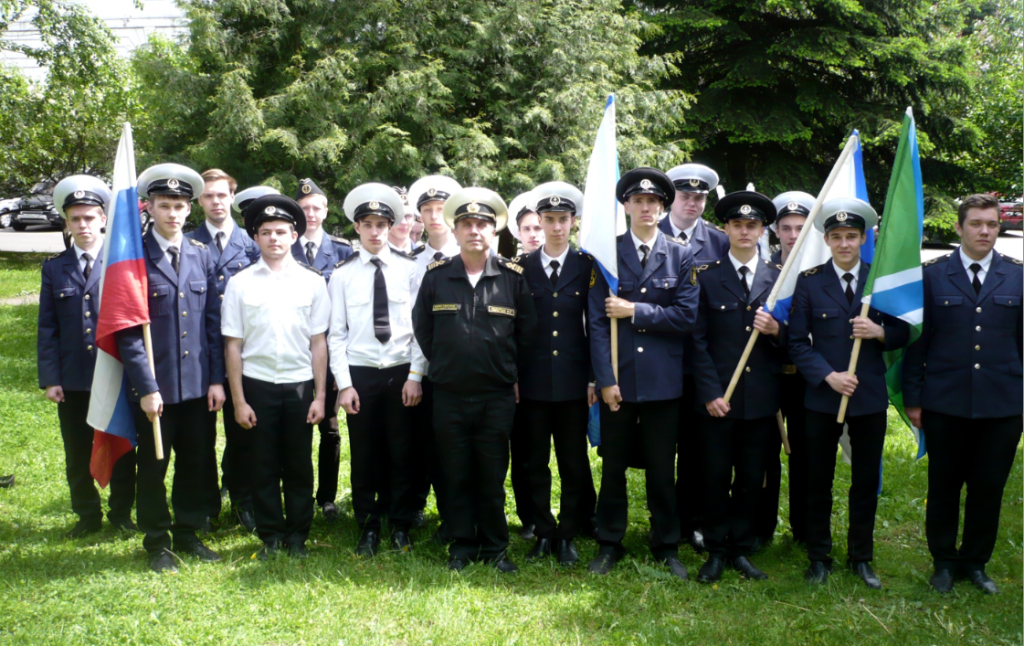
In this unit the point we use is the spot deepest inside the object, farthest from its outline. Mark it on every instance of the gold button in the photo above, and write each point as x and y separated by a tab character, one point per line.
748	328
186	353
577	293
222	297
88	330
747	369
748	308
184	334
946	303
555	333
639	349
184	313
978	310
723	307
89	348
555	353
977	329
555	314
87	297
824	316
977	366
88	314
181	294
977	347
555	294
220	278
643	290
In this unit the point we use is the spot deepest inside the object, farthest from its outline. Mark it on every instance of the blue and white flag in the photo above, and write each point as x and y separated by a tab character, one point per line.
603	218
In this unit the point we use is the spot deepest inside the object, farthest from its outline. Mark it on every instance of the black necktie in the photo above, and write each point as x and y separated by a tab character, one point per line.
220	242
644	249
310	255
554	272
438	255
848	277
381	322
744	270
682	236
88	265
174	257
976	283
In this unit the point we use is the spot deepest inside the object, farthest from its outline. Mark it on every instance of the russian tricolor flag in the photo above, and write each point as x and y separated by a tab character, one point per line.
123	304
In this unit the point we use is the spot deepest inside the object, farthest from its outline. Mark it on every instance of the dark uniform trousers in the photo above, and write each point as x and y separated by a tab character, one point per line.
329	452
689	472
980	454
236	462
427	468
282	452
519	468
188	428
794	413
383	449
472	432
78	436
566	423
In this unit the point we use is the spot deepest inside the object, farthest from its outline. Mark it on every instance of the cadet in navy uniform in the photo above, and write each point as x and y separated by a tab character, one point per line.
379	367
735	435
656	307
322	252
187	390
68	310
232	250
524	222
962	386
708	243
793	208
822	326
554	376
473	316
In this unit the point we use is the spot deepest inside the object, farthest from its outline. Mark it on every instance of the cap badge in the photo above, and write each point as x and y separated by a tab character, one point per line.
172	184
79	195
431	191
792	206
694	182
646	184
841	216
270	210
473	207
307	189
555	200
745	209
374	205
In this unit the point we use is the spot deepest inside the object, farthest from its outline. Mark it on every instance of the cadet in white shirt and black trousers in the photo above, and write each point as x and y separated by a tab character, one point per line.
274	320
378	366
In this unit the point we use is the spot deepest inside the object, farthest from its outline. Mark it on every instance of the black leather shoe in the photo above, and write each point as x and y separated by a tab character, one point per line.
817	572
84	528
982	582
419	520
526	532
677	568
298	551
457	564
246	519
269	548
162	561
441	536
864	571
540	549
607	557
205	527
195	547
505	566
6	482
696	541
400	541
124	525
369	542
942	580
330	511
747	569
567	554
711	571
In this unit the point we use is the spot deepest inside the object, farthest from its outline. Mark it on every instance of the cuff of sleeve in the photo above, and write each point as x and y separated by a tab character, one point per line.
320	329
415	376
231	332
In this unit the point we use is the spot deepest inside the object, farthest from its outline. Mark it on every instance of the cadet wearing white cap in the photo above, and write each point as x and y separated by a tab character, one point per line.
187	390
379	366
473	317
66	352
823	324
524	222
398	233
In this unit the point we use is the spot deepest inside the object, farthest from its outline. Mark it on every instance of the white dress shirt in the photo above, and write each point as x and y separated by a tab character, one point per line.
752	266
317	240
985	263
650	244
351	339
426	256
676	231
229	227
165	244
842	282
276	313
96	252
545	260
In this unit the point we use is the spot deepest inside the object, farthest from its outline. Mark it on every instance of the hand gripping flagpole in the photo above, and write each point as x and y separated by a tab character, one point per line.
774	295
854	356
158	439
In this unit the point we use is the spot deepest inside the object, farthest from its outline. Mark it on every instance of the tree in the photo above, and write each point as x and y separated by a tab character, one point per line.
502	94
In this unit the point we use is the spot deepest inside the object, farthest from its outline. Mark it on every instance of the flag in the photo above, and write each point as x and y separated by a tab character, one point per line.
123	304
603	218
850	182
895	282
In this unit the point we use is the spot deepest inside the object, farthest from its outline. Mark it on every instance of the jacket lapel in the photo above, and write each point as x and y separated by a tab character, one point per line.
730	278
570	271
834	287
656	258
159	258
958	276
994	277
762	282
97	271
73	268
629	256
325	254
535	272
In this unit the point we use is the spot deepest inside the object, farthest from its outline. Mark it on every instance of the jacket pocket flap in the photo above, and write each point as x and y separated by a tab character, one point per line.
825	312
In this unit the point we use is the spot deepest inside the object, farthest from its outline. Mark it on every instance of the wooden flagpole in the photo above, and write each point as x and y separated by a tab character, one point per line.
615	345
158	439
854	356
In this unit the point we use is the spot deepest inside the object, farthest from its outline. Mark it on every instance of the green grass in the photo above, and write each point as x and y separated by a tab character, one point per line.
99	590
20	273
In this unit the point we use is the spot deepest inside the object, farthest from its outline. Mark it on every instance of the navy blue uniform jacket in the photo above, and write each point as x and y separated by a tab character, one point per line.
332	251
725	320
708	244
651	345
68	309
821	342
184	323
968	362
240	251
556	367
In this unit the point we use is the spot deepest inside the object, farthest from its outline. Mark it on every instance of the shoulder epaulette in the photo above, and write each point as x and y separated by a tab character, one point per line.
195	243
619	238
585	255
53	257
438	263
674	239
703	268
809	272
779	267
400	254
509	264
345	261
340	240
936	260
312	269
1015	261
520	259
418	250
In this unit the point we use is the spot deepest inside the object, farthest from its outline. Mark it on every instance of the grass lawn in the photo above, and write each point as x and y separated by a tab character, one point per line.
99	590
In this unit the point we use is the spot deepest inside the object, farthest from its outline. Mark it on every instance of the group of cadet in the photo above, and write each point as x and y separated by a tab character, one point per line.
453	364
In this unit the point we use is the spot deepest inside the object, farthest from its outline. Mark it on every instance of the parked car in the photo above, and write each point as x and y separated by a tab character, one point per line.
37	208
1011	216
7	208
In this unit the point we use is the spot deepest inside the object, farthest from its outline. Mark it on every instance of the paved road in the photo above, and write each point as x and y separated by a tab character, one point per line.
44	240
